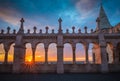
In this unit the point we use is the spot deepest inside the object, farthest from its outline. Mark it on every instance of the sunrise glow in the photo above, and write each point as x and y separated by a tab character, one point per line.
40	54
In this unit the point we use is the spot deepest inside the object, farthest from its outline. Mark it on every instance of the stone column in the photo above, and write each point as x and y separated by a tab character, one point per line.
74	56
93	58
116	55
19	58
6	54
104	65
60	67
33	54
86	53
46	55
104	62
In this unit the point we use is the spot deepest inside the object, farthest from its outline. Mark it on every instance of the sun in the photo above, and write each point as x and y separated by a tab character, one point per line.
39	56
29	60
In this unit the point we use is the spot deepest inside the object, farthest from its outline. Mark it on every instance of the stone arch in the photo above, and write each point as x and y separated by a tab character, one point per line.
37	43
2	52
80	53
109	50
67	53
28	52
52	53
11	53
40	53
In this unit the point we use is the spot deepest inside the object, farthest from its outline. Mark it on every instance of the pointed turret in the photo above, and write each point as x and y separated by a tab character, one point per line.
102	20
21	30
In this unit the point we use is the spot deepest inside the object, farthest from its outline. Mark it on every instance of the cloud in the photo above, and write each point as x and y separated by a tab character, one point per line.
86	7
9	16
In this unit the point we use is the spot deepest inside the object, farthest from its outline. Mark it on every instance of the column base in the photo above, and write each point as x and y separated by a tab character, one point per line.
60	69
104	68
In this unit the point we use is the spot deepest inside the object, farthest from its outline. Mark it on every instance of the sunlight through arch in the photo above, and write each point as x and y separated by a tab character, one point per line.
2	53
80	53
28	54
11	53
67	53
52	53
40	53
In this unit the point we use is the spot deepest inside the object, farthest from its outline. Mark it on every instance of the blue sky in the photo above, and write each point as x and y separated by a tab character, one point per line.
41	13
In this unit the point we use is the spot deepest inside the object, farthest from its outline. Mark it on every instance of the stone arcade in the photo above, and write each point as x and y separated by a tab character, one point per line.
103	36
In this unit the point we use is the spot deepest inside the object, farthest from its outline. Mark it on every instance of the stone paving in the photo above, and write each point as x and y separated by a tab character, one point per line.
60	77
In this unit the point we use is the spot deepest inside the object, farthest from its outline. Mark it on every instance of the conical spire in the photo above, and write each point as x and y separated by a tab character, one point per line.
103	22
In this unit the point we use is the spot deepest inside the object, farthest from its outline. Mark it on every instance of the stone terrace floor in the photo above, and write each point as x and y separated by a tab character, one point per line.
60	77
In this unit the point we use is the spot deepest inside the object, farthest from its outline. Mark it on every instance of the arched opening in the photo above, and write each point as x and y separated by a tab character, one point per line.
97	54
11	53
67	54
40	53
118	52
28	54
2	53
80	53
91	55
52	53
109	50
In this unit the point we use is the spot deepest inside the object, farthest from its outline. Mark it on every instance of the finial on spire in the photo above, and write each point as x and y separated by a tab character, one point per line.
22	20
21	30
60	25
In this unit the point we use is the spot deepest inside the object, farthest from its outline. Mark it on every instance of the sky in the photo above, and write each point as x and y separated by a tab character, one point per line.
42	13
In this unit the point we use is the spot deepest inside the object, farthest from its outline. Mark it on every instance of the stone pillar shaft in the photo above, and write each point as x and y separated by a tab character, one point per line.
74	56
60	66
46	55
33	55
6	53
104	62
116	56
93	58
86	52
6	57
19	58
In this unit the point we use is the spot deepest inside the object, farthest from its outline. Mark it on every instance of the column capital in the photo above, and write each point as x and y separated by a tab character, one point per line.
73	48
6	47
60	46
33	49
86	45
